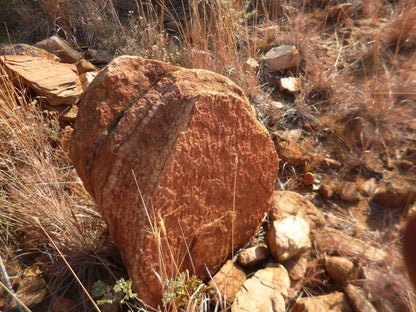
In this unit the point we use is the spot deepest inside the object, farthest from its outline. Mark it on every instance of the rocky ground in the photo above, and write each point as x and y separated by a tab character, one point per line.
334	87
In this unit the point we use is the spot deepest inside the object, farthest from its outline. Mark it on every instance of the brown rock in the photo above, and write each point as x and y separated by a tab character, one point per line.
61	48
348	191
253	255
31	291
83	66
357	298
286	203
395	191
308	178
58	82
333	302
340	11
227	282
292	154
63	304
66	113
326	191
288	237
330	240
178	165
296	267
339	268
28	50
289	85
282	57
266	290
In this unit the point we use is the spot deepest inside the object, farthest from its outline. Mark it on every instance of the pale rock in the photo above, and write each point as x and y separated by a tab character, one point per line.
177	164
57	82
358	300
288	237
227	281
251	65
289	85
334	241
333	302
86	78
253	255
60	48
287	135
339	268
368	187
286	203
281	58
296	267
28	50
265	291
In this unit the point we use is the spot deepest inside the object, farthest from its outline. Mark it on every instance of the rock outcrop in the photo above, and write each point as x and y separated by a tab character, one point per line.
59	83
179	166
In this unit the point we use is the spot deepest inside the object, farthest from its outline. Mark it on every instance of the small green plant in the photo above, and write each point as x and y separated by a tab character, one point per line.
121	292
183	291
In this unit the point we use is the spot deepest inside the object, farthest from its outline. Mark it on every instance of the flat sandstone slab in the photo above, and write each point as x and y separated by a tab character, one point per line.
58	82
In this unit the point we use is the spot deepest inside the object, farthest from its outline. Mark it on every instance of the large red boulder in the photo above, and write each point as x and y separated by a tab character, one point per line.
180	168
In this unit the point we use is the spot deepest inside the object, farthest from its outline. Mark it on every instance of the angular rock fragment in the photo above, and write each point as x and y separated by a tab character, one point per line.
339	268
227	282
333	302
179	166
253	255
286	203
289	85
57	82
282	57
288	237
28	50
266	290
61	48
358	300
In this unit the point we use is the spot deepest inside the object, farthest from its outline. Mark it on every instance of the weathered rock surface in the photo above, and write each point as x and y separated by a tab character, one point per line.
282	57
58	82
331	240
288	237
296	267
358	299
60	48
339	268
265	291
253	255
286	203
333	302
28	50
167	153
395	190
227	282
